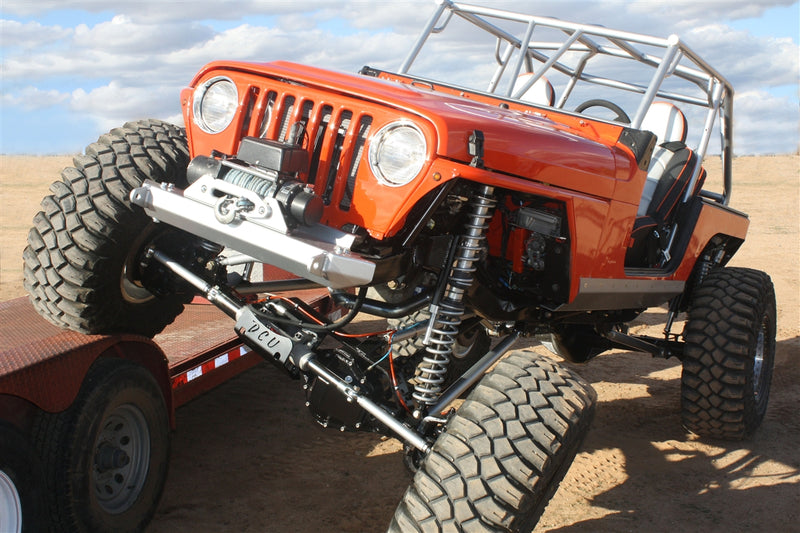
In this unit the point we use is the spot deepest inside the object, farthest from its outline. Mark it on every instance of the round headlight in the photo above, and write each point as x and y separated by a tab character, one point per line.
397	153
215	104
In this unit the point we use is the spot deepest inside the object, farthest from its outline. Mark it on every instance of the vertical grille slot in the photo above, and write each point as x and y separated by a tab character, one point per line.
364	125
266	118
286	117
340	132
324	118
252	97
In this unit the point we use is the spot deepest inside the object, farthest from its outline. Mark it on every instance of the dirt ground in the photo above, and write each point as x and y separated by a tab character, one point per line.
248	457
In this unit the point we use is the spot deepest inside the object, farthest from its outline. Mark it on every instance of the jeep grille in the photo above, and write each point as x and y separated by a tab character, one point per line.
336	135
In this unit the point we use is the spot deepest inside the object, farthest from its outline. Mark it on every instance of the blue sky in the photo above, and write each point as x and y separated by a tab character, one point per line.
73	69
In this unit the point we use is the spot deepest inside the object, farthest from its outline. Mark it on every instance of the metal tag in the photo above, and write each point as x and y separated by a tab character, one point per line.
262	336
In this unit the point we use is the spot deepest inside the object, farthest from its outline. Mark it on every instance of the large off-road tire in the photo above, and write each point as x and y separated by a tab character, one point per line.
503	453
106	457
21	480
729	354
80	262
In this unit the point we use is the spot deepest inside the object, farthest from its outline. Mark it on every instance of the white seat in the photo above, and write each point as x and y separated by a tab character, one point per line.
541	92
668	123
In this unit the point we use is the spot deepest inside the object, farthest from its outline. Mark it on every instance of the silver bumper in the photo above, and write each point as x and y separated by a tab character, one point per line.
320	254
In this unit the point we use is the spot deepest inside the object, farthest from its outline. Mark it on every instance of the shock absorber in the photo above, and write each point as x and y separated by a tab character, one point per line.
446	317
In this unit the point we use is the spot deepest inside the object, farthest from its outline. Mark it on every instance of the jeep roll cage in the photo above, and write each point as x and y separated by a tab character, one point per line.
678	73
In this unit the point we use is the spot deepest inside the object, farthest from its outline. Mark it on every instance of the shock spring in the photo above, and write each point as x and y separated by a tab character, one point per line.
446	318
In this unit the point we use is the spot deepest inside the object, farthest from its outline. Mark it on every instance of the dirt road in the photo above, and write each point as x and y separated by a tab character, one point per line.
248	457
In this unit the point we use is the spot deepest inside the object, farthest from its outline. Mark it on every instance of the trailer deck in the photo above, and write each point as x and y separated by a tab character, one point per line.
45	365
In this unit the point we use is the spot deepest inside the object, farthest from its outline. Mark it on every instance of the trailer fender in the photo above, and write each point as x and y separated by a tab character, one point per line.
49	375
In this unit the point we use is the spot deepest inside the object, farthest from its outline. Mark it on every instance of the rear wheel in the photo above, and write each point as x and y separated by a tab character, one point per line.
81	265
21	483
106	457
502	455
729	355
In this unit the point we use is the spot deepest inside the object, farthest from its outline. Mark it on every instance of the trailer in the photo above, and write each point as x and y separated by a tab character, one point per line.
97	410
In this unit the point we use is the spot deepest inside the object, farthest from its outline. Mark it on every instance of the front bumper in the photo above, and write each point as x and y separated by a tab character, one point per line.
318	253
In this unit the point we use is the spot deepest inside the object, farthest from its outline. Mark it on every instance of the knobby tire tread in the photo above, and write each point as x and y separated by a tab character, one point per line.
727	312
503	453
76	238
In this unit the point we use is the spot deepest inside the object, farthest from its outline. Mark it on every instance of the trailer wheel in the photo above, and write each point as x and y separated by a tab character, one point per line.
81	262
106	457
503	453
729	354
20	483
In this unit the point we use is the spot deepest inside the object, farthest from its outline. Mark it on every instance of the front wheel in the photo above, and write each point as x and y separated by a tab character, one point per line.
729	354
81	265
106	457
502	455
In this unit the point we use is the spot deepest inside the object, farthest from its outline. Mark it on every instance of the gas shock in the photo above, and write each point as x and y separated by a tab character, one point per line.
446	317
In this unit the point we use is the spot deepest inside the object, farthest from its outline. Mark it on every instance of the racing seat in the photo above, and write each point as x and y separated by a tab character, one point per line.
541	92
668	176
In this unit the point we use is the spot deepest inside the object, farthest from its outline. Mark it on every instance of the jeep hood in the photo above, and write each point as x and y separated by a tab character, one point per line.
531	144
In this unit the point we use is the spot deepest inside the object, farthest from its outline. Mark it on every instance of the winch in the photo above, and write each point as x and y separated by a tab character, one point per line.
268	168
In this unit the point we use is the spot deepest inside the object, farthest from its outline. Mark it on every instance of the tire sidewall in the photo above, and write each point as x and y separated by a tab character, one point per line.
21	466
127	384
757	394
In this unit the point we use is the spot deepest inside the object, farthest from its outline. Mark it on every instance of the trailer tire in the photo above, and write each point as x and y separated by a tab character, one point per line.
21	480
80	264
106	457
502	455
729	354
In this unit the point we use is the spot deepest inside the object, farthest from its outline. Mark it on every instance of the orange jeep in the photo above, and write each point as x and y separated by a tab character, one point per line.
553	188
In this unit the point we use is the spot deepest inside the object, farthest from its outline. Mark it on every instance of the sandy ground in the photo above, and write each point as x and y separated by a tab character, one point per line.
247	456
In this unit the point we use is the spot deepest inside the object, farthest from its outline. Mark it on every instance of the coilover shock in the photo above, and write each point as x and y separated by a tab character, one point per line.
446	317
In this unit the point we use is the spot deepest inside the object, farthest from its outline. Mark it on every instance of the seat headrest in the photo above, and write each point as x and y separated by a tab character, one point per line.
541	92
666	121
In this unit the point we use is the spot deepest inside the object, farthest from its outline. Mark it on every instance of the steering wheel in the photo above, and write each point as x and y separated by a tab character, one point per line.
621	115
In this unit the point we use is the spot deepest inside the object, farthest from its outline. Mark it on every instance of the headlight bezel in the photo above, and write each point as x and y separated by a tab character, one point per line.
200	94
380	140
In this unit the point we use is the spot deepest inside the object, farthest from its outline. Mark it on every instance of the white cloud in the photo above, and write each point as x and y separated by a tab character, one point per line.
123	36
31	98
747	61
113	104
764	124
150	48
698	10
167	10
30	34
